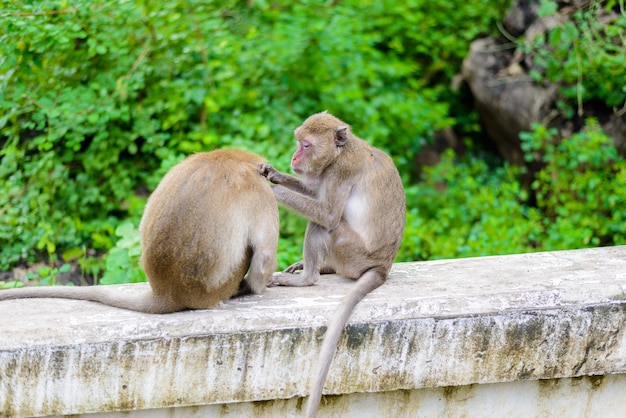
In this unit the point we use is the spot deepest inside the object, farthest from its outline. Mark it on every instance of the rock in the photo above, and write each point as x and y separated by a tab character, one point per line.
519	18
509	101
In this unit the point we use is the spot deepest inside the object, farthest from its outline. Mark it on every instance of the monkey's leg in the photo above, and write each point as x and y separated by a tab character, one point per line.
261	268
315	247
349	254
263	263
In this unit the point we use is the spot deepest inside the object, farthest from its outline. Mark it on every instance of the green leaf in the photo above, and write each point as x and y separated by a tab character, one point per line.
11	284
547	8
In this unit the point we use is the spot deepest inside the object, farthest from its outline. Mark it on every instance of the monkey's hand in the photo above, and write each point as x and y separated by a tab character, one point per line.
270	173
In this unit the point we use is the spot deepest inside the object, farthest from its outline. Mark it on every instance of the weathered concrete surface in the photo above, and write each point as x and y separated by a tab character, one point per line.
434	324
581	397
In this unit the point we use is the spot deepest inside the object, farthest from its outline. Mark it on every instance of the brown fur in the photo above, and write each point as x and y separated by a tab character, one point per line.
211	219
352	195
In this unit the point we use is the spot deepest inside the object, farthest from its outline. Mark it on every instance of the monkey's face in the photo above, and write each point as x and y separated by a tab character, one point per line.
302	156
319	140
313	154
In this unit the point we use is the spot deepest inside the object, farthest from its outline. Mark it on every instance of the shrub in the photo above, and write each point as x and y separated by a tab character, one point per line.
583	55
99	99
466	208
580	189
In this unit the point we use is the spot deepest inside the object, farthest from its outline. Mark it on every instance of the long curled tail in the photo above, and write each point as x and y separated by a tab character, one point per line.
365	284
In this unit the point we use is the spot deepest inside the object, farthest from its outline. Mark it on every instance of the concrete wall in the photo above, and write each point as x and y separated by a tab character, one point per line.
521	335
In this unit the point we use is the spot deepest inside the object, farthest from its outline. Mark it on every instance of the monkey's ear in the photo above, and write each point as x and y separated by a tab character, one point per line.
341	135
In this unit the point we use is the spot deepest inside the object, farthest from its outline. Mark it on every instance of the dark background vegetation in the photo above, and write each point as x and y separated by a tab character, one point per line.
99	99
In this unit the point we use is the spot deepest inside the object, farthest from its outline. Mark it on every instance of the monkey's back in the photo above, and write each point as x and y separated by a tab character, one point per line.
380	191
198	226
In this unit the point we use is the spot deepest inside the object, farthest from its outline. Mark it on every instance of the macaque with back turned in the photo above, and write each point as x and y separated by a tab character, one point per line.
209	231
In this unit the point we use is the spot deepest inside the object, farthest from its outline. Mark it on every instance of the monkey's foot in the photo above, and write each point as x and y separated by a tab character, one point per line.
294	267
296	280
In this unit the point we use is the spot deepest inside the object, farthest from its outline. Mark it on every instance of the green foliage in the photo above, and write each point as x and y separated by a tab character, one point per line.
122	264
580	190
11	284
99	99
67	127
585	55
47	276
465	208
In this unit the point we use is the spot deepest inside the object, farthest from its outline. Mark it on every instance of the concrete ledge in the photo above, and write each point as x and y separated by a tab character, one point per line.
449	323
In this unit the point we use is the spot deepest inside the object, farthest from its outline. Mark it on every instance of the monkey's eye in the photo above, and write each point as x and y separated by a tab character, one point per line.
305	144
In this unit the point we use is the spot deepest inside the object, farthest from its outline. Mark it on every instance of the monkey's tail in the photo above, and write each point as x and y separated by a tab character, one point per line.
134	297
365	284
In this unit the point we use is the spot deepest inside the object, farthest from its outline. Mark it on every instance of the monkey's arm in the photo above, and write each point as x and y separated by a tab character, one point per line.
285	180
327	214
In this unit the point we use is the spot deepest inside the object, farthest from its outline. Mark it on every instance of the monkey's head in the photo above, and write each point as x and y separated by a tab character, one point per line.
321	139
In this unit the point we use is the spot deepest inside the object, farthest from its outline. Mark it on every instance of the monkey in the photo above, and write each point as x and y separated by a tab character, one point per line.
209	231
352	195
